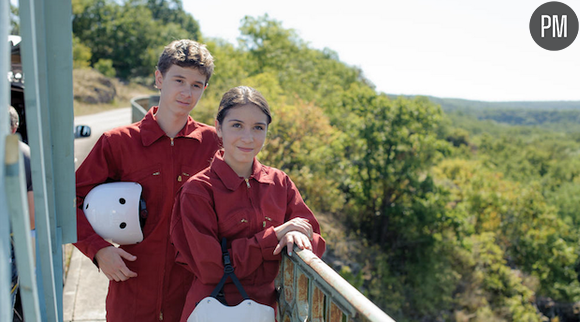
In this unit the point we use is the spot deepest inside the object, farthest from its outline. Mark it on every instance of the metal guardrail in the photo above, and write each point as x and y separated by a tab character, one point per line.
138	104
310	290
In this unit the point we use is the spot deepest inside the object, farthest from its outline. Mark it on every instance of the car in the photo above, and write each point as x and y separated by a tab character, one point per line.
16	78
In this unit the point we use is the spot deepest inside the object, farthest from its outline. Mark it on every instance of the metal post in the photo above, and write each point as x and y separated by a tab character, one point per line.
5	279
36	102
18	209
58	35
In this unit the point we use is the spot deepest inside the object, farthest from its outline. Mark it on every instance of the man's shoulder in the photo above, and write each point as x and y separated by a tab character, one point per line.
124	132
24	148
204	129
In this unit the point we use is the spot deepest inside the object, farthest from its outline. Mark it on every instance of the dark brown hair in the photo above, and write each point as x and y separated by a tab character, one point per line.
242	95
186	53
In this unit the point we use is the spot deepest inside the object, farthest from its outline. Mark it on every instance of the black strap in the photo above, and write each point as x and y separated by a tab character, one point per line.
228	271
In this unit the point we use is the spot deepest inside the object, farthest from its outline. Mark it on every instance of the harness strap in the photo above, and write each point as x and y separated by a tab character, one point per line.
228	272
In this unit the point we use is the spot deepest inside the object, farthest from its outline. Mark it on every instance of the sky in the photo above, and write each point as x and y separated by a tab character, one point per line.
477	50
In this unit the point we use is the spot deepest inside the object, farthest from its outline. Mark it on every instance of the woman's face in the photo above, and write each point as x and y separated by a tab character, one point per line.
243	132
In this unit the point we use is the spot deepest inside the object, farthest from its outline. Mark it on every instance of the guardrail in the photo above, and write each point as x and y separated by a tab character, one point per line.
140	106
310	290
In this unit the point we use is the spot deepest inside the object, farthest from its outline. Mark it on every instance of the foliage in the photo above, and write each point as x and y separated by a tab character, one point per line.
131	33
81	54
105	67
14	20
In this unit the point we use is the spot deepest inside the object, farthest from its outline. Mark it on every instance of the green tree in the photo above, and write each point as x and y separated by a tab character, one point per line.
310	74
128	33
171	12
14	20
81	54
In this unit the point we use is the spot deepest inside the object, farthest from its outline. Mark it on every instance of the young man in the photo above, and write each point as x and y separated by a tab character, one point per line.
160	152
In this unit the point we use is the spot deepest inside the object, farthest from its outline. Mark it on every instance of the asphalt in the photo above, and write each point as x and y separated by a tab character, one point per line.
85	289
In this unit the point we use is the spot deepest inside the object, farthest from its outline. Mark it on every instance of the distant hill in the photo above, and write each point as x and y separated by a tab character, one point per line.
455	104
554	115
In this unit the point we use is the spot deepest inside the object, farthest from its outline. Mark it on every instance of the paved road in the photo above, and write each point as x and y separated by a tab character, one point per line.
99	123
85	287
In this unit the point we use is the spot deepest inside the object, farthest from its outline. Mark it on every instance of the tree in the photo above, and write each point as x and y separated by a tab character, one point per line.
171	12
14	20
128	33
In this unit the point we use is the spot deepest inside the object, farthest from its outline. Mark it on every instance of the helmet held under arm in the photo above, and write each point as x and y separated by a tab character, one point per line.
117	212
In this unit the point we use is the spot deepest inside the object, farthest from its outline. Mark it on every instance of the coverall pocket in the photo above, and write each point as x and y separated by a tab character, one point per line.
236	224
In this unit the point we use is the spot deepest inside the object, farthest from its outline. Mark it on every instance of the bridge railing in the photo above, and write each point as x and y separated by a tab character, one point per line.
140	106
310	290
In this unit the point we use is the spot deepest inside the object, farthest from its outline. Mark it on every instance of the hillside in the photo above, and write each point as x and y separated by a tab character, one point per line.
93	92
457	104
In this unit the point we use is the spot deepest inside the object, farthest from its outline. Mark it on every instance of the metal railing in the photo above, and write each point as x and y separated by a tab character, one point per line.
140	106
310	290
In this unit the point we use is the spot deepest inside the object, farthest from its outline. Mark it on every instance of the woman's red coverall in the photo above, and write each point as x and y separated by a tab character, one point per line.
218	203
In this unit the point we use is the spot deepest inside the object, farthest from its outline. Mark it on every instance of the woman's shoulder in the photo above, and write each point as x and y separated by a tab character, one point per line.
199	184
276	175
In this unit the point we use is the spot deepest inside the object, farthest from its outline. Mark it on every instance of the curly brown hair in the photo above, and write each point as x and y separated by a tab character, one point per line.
186	53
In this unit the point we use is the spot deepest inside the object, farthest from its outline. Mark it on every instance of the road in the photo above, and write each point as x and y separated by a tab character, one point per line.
85	288
99	123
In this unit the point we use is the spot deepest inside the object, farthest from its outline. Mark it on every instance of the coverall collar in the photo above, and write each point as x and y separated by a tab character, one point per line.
231	179
151	131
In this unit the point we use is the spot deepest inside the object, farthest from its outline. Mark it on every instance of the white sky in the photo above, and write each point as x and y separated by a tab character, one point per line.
480	50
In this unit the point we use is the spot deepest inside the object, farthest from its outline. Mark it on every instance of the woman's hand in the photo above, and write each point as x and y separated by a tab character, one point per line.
297	224
291	238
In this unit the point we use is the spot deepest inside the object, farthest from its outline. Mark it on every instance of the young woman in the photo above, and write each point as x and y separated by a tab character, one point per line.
256	207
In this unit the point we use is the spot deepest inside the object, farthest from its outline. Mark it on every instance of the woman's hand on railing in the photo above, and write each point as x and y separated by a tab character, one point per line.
296	224
291	238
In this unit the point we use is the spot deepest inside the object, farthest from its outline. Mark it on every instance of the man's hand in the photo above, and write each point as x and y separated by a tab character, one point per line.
291	238
297	224
110	260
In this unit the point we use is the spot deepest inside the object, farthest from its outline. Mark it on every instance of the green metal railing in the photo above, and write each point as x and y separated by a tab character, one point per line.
310	290
140	106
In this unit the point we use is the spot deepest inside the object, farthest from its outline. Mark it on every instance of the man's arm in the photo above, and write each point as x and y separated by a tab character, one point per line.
99	167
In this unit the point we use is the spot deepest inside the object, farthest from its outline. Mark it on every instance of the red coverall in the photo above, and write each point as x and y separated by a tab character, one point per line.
143	153
217	203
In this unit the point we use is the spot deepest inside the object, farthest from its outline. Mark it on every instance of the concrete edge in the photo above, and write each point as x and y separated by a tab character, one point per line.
71	285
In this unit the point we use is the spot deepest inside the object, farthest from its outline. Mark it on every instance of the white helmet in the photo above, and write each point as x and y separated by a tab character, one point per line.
115	210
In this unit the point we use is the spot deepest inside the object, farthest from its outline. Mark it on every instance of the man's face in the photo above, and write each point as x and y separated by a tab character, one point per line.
180	89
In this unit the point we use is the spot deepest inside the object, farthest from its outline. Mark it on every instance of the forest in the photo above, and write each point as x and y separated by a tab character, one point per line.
457	210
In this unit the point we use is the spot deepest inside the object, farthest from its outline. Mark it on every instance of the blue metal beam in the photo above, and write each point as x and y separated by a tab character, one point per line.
33	28
58	35
20	222
5	279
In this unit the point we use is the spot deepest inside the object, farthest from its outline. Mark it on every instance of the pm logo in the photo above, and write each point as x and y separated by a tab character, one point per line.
554	26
